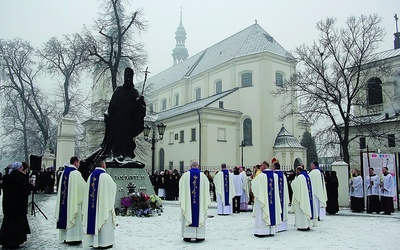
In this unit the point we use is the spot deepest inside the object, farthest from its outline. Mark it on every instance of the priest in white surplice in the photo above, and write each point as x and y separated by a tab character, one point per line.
98	208
372	187
68	212
283	195
194	197
302	201
225	190
244	198
319	189
387	191
356	192
267	207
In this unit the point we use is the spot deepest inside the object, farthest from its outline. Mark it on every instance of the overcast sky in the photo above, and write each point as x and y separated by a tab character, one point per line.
207	22
290	22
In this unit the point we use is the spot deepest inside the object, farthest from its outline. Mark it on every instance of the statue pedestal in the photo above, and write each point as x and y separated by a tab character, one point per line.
127	173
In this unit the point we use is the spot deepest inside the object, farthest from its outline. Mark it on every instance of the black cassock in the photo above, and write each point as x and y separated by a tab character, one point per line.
15	227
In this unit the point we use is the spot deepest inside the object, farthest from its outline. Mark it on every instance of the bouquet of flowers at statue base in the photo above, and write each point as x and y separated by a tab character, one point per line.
156	204
141	205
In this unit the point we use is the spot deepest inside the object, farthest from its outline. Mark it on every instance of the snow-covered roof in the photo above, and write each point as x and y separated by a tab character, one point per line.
252	40
375	119
187	107
284	139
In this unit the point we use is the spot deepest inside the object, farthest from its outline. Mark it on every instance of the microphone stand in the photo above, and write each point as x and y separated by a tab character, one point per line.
32	203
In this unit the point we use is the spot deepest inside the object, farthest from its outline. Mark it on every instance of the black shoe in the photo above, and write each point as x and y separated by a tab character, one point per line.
10	247
304	229
107	247
200	239
74	243
187	239
260	235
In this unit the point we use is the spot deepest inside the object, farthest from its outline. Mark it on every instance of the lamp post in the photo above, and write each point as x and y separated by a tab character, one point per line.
242	145
146	131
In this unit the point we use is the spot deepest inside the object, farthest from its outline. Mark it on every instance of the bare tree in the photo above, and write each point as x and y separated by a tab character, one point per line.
21	71
332	75
68	58
114	47
21	135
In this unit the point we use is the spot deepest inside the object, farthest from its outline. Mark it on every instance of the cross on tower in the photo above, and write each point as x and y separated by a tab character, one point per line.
396	19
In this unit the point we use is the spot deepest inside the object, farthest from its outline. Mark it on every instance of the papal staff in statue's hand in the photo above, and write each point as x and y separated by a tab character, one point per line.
141	98
145	78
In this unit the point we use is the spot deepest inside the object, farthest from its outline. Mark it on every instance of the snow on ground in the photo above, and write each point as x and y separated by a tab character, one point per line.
342	231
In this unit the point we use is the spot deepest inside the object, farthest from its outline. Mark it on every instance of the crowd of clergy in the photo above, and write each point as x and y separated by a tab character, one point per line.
85	209
379	190
269	190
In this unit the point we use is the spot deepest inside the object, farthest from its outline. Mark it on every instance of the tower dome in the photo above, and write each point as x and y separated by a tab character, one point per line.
180	53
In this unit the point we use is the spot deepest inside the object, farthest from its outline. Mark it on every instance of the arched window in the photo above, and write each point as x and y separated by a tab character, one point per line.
247	79
374	93
151	108
161	158
197	94
176	100
164	104
247	132
297	162
218	87
278	79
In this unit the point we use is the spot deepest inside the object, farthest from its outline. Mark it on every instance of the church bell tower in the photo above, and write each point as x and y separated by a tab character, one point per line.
180	53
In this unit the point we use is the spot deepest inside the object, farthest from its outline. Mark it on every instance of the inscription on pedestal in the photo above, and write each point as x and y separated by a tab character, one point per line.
125	177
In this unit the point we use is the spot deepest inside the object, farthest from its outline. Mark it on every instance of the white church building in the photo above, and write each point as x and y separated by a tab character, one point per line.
218	105
376	126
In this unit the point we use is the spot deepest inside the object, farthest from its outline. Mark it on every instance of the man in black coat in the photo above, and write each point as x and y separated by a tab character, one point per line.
16	190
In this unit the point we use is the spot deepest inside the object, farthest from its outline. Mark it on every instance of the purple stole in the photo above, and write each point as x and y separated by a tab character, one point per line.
226	186
62	217
310	193
195	196
271	196
92	203
281	188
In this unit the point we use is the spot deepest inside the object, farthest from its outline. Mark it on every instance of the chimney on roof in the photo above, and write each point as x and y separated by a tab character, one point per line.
386	116
397	34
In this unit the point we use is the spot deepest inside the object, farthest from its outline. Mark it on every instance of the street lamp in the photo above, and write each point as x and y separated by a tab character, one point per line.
146	131
242	145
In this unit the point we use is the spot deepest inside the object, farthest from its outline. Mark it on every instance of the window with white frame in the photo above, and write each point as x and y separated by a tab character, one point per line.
193	134
176	100
278	79
391	140
247	132
164	104
247	79
221	134
218	87
151	108
374	94
197	94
